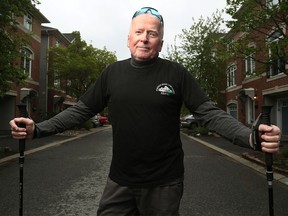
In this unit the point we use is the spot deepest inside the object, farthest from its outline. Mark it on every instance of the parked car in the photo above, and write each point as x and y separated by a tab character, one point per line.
102	119
95	121
189	121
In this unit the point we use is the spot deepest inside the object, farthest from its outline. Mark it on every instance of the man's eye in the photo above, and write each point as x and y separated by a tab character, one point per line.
153	34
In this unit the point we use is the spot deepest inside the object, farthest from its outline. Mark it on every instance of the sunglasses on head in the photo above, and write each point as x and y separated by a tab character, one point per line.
150	10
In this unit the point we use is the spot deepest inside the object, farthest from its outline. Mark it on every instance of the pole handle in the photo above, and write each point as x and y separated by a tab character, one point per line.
23	113
23	110
266	119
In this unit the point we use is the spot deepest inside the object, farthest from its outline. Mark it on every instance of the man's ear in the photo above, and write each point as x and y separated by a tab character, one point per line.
128	41
161	45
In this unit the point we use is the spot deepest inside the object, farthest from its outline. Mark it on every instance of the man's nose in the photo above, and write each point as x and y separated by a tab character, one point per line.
144	37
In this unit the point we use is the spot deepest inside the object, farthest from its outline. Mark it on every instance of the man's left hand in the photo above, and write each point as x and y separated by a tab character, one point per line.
270	138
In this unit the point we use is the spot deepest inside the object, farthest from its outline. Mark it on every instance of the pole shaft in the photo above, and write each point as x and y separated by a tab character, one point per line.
266	110
23	113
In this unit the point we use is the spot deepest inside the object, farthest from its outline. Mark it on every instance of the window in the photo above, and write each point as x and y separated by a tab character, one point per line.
250	65
231	75
58	43
26	61
28	22
250	61
230	46
277	54
232	110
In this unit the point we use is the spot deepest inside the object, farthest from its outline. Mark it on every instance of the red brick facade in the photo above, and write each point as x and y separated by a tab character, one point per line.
244	99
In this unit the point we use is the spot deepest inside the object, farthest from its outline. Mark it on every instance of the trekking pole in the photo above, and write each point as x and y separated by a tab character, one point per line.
23	113
266	110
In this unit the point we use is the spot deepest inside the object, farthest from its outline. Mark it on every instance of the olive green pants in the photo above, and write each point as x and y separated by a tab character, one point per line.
153	201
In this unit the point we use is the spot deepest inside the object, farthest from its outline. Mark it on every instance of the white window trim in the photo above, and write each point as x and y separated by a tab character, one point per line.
28	21
270	40
27	61
231	75
250	65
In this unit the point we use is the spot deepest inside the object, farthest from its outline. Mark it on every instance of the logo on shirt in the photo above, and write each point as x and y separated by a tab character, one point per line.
165	89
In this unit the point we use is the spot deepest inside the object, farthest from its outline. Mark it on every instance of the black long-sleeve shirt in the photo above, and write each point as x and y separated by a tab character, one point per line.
144	102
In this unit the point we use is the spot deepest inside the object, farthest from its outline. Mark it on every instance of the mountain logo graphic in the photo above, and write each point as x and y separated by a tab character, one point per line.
165	89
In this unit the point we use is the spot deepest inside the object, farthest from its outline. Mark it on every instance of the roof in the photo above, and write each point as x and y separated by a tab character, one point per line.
55	32
69	36
36	12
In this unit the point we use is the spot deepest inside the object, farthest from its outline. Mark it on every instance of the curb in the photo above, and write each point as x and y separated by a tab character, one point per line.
52	144
261	163
247	162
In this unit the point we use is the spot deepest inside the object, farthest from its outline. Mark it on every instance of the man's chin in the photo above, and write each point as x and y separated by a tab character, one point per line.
142	57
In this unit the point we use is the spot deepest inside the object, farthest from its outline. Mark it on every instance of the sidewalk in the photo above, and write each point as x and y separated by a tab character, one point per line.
244	155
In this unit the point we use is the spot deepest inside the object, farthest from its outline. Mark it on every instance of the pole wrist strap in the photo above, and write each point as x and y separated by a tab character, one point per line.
256	140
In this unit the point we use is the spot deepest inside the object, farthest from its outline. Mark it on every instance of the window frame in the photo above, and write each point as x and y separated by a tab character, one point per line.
26	61
232	109
250	65
28	21
231	75
277	65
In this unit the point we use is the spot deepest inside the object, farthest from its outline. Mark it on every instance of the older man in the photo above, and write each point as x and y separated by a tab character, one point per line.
146	173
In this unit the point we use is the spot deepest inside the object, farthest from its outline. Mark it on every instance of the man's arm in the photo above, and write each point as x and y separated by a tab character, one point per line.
221	122
224	124
66	119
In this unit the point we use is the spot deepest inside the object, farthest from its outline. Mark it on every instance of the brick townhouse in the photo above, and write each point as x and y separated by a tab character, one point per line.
27	92
40	92
247	91
54	94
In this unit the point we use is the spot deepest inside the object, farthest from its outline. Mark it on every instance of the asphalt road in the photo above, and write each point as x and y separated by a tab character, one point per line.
68	180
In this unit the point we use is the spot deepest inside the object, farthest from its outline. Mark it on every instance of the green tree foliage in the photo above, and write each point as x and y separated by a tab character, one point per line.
79	64
201	51
11	42
260	22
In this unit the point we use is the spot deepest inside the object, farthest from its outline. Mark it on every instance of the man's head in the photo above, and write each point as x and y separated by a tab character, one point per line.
145	38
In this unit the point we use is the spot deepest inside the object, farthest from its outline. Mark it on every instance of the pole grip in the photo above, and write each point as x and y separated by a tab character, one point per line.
266	119
23	113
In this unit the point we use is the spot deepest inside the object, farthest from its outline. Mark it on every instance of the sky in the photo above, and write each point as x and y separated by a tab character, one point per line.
105	23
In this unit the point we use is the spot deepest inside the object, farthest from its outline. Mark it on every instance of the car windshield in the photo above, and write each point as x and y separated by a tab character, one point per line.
188	116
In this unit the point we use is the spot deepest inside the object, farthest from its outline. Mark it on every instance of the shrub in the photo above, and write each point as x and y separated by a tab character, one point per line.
86	125
199	131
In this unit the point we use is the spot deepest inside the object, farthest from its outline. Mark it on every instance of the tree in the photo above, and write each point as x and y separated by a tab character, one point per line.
11	41
78	64
201	52
263	22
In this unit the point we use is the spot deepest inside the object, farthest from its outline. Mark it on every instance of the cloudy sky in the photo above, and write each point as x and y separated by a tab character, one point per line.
106	22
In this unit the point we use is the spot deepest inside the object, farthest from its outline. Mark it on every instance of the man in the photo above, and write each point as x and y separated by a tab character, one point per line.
144	95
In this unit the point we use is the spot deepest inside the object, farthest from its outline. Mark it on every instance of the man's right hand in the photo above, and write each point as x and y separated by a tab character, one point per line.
19	132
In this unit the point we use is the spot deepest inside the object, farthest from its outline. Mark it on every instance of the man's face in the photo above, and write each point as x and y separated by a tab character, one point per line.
145	37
